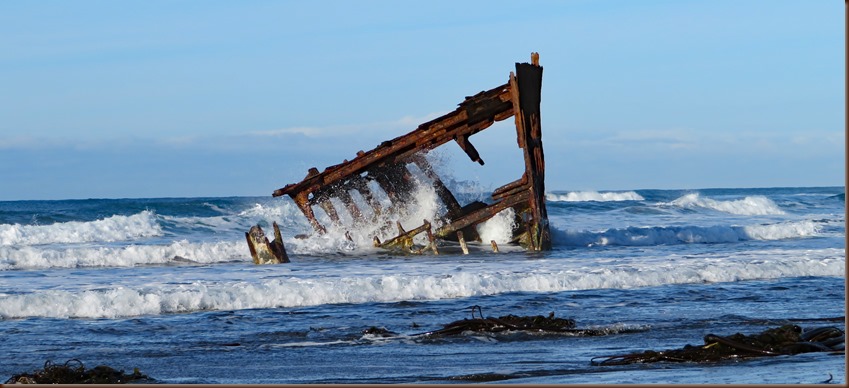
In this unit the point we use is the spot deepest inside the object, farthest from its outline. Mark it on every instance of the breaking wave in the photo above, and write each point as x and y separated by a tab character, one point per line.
29	257
109	229
750	206
668	235
405	284
584	196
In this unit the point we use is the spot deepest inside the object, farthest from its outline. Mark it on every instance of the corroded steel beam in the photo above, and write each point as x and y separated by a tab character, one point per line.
526	85
404	239
481	215
484	106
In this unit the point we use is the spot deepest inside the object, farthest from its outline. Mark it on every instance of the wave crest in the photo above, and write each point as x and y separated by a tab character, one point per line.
109	229
367	287
585	196
670	235
29	257
749	206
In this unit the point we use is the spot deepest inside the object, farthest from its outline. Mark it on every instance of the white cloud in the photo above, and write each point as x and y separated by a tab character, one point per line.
18	142
305	131
179	140
389	129
808	142
669	138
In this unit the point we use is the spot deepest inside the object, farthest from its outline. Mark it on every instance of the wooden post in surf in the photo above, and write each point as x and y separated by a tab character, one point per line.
432	241
462	241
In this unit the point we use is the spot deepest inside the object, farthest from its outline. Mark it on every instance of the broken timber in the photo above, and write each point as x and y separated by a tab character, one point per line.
387	165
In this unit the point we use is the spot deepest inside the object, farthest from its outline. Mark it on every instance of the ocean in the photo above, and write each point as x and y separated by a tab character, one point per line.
167	285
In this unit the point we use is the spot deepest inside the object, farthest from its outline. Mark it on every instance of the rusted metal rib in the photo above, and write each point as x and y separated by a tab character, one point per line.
426	136
387	165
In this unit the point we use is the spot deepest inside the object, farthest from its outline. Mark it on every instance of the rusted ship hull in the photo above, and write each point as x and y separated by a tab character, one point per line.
388	164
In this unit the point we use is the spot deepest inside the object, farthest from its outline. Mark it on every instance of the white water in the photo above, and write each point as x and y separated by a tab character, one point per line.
121	242
498	229
752	205
188	274
114	228
666	235
365	282
584	196
86	244
30	257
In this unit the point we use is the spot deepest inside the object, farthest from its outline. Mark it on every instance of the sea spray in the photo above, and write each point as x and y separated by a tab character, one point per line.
423	204
499	228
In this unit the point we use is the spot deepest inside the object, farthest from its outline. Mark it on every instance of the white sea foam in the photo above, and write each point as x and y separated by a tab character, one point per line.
36	257
214	207
282	211
498	228
751	205
114	228
278	210
584	196
423	204
668	235
410	283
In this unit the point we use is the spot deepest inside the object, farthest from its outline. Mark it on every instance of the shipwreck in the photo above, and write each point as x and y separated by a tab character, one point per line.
388	168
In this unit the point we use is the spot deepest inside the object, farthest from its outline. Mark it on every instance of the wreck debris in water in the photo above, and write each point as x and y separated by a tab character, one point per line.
387	166
263	251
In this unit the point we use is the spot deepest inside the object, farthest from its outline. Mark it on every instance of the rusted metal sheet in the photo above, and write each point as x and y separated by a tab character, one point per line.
387	167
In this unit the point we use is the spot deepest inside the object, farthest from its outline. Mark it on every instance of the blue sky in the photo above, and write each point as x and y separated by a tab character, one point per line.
114	99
